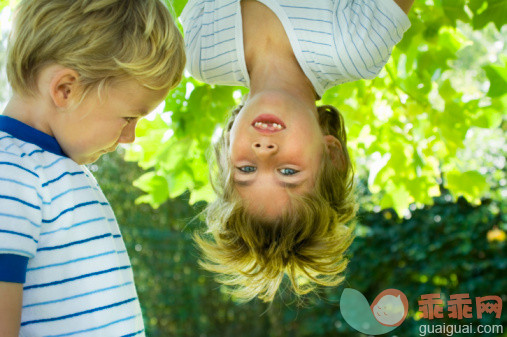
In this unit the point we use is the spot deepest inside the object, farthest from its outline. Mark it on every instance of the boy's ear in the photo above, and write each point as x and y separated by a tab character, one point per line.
64	87
335	151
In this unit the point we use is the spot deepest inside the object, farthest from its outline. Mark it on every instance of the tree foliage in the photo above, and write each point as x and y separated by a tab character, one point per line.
409	129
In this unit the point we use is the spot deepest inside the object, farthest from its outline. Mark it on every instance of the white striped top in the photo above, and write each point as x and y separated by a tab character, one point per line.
334	41
59	236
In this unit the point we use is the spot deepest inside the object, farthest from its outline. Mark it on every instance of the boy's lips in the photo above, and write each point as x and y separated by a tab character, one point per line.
268	124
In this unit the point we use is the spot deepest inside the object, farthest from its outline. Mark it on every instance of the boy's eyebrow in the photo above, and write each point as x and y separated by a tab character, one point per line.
280	183
141	112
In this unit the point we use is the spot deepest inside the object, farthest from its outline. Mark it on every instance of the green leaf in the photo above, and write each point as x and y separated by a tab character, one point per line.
470	184
489	11
205	193
179	183
455	10
155	186
176	6
497	76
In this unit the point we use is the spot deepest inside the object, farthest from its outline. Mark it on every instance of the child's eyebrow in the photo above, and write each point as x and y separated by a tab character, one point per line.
141	112
280	183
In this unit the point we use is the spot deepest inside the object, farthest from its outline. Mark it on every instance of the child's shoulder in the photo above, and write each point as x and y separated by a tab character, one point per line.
31	156
16	153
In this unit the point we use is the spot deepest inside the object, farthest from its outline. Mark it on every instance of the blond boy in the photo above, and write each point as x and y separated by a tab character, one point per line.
83	73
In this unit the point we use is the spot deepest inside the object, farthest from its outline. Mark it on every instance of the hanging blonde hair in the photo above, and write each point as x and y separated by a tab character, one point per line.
307	242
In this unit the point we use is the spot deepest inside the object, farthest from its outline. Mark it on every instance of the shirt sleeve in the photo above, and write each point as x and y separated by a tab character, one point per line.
214	42
20	216
365	34
192	20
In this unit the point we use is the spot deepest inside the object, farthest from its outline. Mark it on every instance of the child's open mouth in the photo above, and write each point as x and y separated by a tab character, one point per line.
268	124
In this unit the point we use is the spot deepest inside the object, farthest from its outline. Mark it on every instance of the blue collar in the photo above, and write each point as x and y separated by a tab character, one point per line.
30	135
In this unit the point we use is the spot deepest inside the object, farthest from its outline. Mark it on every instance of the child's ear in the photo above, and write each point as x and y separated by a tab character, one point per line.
335	151
64	87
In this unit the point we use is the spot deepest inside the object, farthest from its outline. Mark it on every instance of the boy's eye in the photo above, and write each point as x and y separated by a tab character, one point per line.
129	119
288	171
247	169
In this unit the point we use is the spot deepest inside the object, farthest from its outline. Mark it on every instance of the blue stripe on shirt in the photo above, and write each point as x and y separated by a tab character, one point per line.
49	284
52	319
17	182
133	334
73	226
214	57
100	327
50	165
20	167
9	153
84	204
224	64
20	217
35	151
380	23
7	197
314	42
218	31
308	19
71	190
312	52
369	37
313	31
216	44
219	19
72	261
18	234
93	238
61	176
357	50
313	8
60	300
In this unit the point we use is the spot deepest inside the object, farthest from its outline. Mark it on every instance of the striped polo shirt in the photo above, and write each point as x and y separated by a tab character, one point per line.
334	41
59	236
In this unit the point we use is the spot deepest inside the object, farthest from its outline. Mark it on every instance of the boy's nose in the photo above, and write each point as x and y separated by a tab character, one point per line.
264	148
128	135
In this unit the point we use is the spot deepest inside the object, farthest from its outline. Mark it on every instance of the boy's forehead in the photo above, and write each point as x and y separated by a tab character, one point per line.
144	99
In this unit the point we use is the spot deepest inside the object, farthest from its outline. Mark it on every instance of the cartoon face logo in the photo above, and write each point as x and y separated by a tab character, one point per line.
390	307
387	312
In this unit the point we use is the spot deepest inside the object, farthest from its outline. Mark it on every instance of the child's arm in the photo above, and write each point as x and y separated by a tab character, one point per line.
11	295
405	4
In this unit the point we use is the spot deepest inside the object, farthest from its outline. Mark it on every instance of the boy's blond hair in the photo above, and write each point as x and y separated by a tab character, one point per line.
251	255
102	40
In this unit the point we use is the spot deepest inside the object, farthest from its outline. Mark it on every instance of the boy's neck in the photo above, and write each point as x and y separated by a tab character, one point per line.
31	111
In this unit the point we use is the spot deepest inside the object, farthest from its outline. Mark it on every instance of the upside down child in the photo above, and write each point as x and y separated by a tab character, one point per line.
282	173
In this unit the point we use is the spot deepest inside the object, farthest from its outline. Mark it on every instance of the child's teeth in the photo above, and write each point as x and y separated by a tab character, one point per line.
266	126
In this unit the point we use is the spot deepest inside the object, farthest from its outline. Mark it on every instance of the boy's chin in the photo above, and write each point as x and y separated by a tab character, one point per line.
89	159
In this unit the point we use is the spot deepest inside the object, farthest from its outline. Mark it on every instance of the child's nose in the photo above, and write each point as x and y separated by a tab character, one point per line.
265	148
128	134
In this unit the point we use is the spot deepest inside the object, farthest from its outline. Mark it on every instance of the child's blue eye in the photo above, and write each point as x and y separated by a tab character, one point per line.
288	171
247	169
